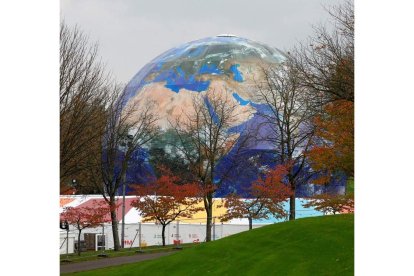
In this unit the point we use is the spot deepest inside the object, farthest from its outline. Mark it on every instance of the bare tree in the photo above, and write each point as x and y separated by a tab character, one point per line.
288	118
205	139
325	68
127	130
99	131
83	94
318	71
325	62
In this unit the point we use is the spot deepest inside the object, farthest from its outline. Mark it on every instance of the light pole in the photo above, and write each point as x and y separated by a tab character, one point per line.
128	144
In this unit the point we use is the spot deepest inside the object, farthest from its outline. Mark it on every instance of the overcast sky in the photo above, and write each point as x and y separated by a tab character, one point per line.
133	32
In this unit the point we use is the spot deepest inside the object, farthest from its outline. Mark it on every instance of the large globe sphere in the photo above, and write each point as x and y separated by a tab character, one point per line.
225	64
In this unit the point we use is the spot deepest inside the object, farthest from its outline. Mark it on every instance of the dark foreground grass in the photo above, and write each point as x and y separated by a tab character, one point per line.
309	246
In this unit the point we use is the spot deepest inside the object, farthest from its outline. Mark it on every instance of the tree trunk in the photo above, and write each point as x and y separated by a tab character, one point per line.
209	211
250	223
114	225
79	242
292	201
292	207
163	234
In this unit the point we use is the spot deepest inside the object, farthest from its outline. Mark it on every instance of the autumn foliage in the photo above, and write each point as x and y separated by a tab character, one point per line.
165	200
85	217
334	149
332	204
267	196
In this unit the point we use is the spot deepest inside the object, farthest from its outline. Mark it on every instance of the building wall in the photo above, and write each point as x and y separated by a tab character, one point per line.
151	233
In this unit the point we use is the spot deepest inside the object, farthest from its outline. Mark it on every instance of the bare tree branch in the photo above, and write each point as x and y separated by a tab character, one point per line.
205	139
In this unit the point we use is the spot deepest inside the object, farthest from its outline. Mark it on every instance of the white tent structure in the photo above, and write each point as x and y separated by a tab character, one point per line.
138	233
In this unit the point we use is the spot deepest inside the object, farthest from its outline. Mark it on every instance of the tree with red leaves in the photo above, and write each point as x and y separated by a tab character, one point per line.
267	196
332	204
334	149
85	217
165	200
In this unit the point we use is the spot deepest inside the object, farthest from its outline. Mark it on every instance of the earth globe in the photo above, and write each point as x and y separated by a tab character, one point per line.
226	63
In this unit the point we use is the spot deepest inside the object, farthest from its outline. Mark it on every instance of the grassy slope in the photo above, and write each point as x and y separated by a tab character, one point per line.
309	246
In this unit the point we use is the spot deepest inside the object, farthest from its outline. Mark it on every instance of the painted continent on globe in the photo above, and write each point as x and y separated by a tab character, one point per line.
224	64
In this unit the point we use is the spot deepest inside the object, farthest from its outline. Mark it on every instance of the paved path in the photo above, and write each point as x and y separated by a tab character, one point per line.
89	265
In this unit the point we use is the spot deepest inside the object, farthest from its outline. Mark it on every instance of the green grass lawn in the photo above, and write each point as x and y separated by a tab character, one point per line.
308	246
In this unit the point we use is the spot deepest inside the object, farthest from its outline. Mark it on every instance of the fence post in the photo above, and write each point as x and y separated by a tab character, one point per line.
178	230
178	235
103	236
67	242
103	254
139	237
214	228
